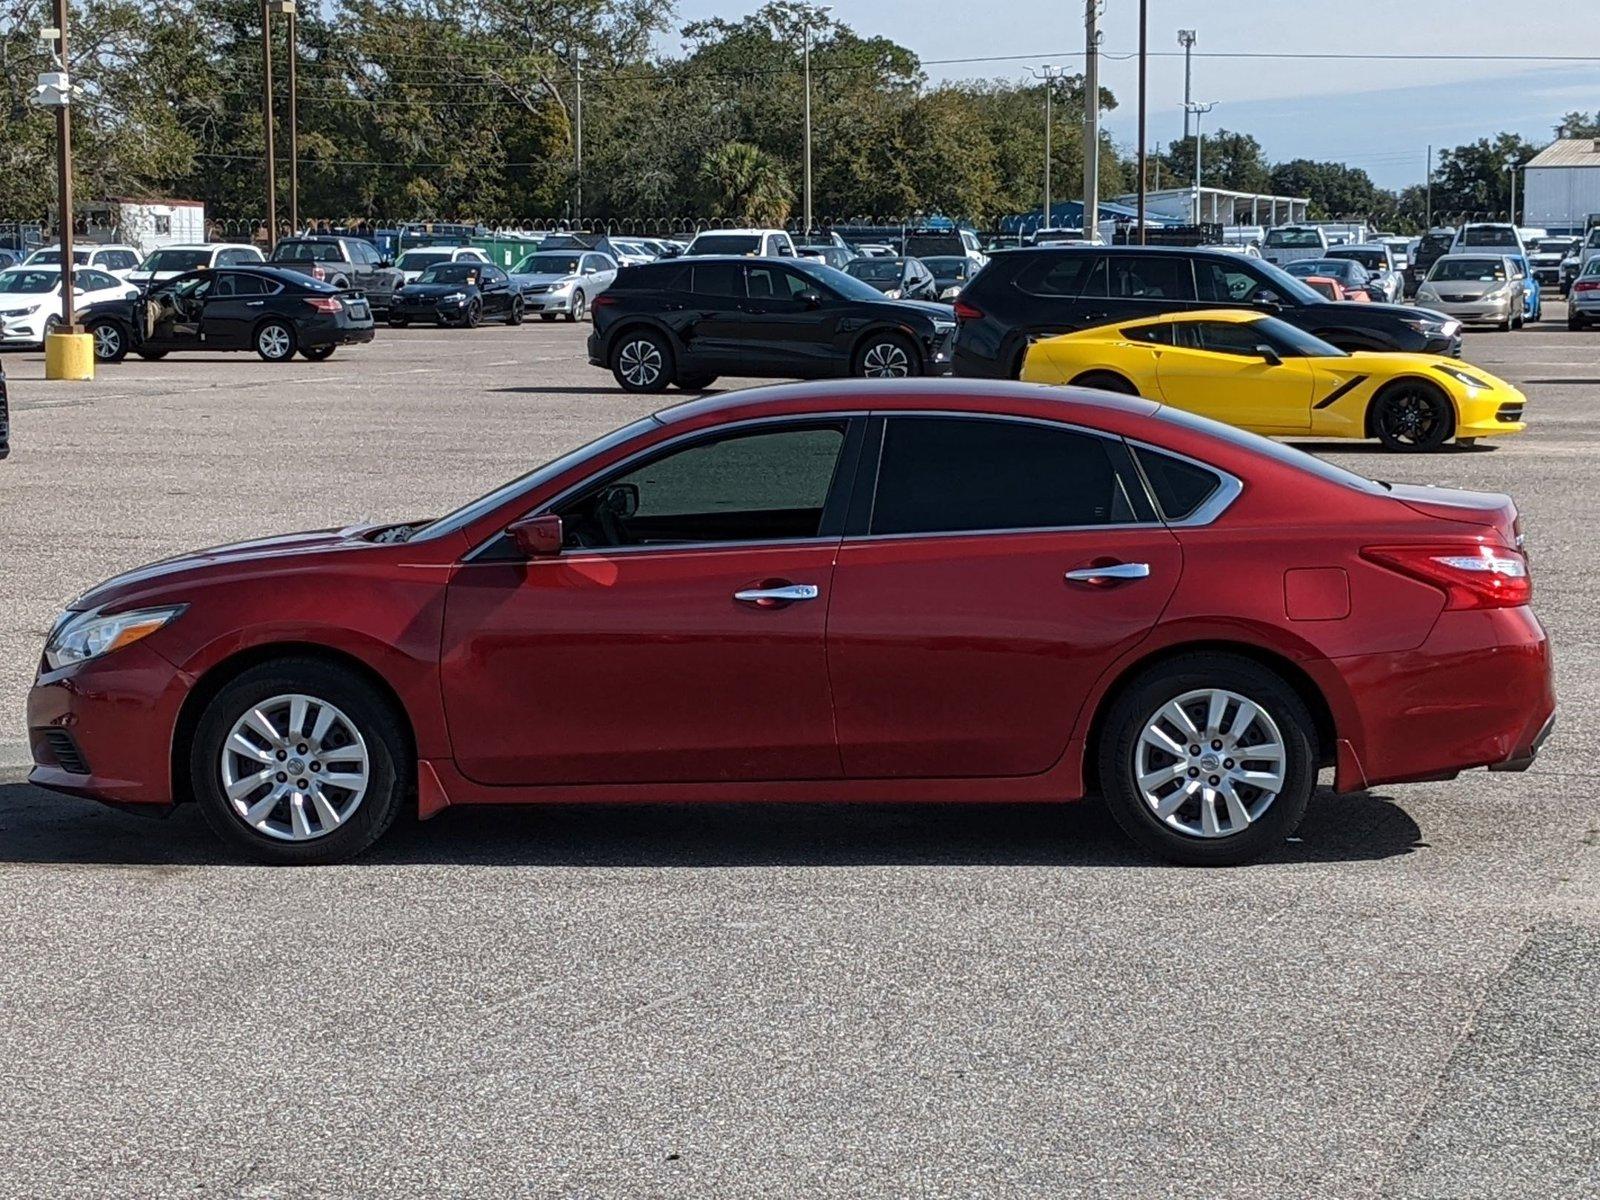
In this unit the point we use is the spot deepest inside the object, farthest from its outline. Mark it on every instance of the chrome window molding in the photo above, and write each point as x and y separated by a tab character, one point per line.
1229	488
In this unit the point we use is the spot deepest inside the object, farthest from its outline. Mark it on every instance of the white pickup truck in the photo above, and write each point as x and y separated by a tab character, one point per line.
1286	243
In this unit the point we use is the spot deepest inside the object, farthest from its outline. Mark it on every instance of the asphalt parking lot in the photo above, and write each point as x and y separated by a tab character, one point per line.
741	1000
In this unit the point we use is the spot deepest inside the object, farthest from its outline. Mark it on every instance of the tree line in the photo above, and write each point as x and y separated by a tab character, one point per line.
468	109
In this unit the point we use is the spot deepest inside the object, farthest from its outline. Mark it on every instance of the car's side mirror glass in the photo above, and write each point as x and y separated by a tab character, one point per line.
537	537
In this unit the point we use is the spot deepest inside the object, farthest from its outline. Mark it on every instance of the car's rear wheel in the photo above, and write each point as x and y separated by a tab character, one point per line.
1412	416
1208	759
397	321
641	361
299	761
110	341
1575	322
275	340
1106	381
316	353
580	307
886	356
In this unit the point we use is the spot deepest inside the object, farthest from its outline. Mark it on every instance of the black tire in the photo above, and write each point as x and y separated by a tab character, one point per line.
695	383
389	761
1412	417
151	355
110	340
886	356
1504	326
641	361
580	307
544	316
275	348
51	325
1106	381
473	316
340	282
1137	706
317	353
1575	322
514	317
397	321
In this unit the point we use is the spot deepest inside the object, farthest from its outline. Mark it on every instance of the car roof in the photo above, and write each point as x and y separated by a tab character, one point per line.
741	232
1230	316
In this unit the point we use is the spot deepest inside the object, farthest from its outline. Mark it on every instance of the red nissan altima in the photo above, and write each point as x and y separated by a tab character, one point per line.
910	590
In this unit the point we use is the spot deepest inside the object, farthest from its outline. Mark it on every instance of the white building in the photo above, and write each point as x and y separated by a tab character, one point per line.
1561	185
1222	207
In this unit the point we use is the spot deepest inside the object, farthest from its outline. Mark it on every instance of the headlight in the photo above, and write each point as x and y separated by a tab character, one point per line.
453	298
1495	293
80	636
940	328
1472	381
21	312
893	293
562	285
950	293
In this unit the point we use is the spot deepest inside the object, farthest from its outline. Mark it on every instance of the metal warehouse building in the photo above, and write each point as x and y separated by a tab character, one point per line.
1561	185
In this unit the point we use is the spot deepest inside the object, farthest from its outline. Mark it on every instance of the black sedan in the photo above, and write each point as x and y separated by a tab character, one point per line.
458	293
692	320
897	278
273	311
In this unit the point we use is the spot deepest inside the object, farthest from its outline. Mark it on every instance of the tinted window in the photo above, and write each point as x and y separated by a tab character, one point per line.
1165	277
719	279
761	486
121	260
232	258
1159	334
1056	274
94	281
229	284
948	474
1180	487
307	252
1221	337
665	277
725	243
775	283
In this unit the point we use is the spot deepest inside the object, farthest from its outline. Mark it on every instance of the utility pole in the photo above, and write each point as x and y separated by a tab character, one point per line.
294	131
1144	51
577	137
821	15
266	124
1511	166
1186	40
1199	110
1049	74
64	171
1091	119
1428	192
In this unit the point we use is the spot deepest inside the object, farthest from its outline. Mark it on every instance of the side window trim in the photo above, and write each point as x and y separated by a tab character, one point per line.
1229	489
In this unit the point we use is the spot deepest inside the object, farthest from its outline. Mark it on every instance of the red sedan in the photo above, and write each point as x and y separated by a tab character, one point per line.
916	590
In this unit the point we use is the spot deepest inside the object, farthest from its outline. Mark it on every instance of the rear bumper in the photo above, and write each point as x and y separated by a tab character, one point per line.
1479	692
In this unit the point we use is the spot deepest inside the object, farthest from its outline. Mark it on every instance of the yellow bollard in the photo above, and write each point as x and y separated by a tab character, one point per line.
69	356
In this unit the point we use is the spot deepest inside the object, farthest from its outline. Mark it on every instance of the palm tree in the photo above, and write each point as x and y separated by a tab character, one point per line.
745	182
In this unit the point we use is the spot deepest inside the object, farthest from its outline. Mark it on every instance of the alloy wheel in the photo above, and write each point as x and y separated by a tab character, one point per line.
1411	418
107	341
886	360
273	342
1210	762
640	362
294	767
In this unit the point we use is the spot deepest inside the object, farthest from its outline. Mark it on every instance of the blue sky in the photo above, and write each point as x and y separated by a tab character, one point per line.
1377	115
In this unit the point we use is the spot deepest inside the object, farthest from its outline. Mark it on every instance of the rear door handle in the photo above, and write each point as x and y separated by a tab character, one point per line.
771	596
1111	573
254	303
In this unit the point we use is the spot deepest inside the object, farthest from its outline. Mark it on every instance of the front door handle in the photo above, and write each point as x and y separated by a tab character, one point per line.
1110	574
254	303
769	597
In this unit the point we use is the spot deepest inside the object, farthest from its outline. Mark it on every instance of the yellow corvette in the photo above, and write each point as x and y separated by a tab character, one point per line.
1265	375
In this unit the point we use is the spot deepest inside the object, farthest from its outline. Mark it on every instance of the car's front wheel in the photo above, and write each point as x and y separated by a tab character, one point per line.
299	761
1412	416
514	317
275	341
886	356
110	340
580	307
1208	760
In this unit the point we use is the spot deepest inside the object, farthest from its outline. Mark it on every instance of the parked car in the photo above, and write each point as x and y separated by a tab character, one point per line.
1583	303
1477	288
692	320
874	250
563	283
896	278
1399	250
30	299
1285	243
412	263
1331	289
1430	247
171	261
819	593
923	243
118	260
632	253
1353	278
1384	280
1025	294
1546	256
759	243
464	293
268	309
9	258
344	262
1263	374
951	273
836	257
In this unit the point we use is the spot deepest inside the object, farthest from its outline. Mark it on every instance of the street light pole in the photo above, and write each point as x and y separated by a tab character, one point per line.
294	131
1511	168
1144	52
266	124
1186	40
64	173
577	137
820	15
1199	110
1049	74
1091	119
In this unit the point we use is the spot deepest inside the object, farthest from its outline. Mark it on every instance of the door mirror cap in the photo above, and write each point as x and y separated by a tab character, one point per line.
810	296
537	537
1269	355
1268	299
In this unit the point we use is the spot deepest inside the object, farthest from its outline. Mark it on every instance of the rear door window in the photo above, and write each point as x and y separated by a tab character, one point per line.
719	279
1153	277
1061	275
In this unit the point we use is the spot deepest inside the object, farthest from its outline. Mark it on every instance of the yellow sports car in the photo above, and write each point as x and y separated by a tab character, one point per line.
1265	375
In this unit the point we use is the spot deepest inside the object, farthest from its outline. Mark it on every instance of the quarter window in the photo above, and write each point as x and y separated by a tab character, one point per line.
1222	337
768	485
1137	277
959	474
1180	487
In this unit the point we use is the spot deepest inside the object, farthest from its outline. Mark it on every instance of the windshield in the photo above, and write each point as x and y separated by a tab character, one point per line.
548	264
1557	245
847	287
1305	267
177	260
725	243
1593	268
1297	340
1481	270
1291	239
452	272
1435	241
308	252
948	268
1489	235
884	270
483	505
54	256
1373	260
23	282
1285	284
421	260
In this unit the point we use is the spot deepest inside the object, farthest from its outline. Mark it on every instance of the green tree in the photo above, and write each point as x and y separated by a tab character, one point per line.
746	183
1227	160
1473	179
1335	190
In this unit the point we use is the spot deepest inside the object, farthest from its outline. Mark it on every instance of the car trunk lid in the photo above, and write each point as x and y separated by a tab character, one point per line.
1494	510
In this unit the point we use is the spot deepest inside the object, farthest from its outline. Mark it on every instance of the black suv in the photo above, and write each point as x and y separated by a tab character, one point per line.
690	320
1027	294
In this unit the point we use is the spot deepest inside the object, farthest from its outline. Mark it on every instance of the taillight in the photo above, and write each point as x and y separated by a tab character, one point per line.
603	300
317	272
1586	285
967	311
325	304
1470	574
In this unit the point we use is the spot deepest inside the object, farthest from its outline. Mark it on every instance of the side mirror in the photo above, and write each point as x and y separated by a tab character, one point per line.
537	537
621	499
810	297
1269	355
385	263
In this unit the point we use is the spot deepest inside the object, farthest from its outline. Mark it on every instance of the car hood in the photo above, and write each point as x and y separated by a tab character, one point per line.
156	580
929	308
437	289
1444	371
1403	312
542	277
1463	287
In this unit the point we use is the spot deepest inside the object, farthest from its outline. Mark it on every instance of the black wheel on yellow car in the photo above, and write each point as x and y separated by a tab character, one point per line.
1106	381
1412	415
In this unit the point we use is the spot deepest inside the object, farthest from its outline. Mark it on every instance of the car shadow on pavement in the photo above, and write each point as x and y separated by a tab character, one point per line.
39	827
1377	448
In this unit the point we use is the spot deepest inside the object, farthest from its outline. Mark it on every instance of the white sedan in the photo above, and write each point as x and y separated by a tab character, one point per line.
30	299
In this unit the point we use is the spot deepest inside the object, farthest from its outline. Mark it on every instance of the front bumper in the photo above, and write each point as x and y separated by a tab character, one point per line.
547	302
24	331
427	310
1477	311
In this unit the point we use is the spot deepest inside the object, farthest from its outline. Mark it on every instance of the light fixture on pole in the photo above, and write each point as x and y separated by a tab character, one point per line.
1199	110
818	19
1049	74
1186	40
